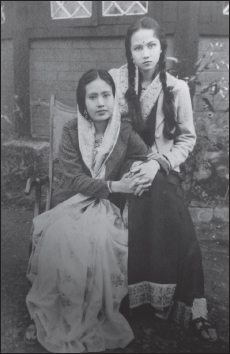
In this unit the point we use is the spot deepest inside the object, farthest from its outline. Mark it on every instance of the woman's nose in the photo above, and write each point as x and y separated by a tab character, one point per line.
145	53
100	101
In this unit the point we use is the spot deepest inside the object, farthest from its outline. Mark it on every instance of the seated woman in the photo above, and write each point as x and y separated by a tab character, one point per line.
78	266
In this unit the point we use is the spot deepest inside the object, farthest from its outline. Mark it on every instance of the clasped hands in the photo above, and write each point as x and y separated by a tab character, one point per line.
142	175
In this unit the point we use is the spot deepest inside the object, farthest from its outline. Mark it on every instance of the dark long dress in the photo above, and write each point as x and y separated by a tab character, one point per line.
164	263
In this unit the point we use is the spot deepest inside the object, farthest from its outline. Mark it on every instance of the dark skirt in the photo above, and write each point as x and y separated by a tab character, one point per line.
165	263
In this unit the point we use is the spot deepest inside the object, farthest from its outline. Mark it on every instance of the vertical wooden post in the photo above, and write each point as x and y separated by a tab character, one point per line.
187	36
21	68
38	191
51	163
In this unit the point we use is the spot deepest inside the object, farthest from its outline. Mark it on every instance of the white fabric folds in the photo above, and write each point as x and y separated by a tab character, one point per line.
78	266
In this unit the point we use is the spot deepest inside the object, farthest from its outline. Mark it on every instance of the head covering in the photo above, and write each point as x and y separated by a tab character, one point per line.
86	138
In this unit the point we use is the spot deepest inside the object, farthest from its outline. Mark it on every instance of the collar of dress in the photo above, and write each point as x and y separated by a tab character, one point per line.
86	138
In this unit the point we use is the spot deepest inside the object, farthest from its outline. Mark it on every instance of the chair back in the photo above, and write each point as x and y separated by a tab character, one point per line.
59	115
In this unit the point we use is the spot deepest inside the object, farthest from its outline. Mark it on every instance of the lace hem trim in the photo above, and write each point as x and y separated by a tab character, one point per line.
159	296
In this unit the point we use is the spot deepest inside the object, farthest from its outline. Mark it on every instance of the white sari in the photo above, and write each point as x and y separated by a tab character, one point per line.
78	265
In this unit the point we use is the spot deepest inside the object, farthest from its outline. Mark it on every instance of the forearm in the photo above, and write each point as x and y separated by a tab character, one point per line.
115	187
164	163
96	188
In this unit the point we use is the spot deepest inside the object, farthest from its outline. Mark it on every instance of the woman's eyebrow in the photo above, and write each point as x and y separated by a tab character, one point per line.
137	45
92	93
96	93
140	44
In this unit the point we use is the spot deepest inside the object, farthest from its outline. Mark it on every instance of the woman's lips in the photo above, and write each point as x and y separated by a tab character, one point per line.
104	111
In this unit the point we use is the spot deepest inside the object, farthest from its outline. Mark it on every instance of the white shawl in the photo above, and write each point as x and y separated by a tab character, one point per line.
86	137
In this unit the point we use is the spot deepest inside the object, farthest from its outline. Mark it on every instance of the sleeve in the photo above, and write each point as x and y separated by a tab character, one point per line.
185	142
164	164
137	150
75	177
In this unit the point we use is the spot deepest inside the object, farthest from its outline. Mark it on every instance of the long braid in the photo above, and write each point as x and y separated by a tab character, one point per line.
168	105
131	95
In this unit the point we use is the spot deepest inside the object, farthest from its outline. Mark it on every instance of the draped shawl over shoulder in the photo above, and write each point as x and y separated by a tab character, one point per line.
86	138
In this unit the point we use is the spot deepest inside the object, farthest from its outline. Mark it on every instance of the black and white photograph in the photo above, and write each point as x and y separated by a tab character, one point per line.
115	176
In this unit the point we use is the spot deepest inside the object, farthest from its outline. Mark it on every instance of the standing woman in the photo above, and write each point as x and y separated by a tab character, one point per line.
165	263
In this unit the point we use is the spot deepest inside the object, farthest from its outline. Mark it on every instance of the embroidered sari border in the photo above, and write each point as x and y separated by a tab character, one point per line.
159	296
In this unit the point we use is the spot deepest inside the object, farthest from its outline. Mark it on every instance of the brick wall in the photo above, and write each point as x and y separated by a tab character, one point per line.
7	88
57	65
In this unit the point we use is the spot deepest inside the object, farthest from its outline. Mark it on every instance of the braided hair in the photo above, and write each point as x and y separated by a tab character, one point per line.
132	98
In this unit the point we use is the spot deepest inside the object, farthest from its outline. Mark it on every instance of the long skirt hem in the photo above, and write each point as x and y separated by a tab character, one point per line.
79	273
164	261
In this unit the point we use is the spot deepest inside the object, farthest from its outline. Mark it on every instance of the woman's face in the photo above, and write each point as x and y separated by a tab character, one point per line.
99	100
145	49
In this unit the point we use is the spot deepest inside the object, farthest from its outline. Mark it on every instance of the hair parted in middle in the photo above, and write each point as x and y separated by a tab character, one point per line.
88	77
131	96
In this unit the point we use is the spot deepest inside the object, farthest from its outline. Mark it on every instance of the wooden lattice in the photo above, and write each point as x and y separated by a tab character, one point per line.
71	9
124	8
226	8
3	18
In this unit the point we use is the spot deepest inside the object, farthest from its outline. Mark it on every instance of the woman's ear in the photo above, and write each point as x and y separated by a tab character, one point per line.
86	114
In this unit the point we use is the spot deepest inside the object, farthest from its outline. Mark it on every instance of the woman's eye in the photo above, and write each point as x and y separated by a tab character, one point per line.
106	95
92	97
138	48
152	45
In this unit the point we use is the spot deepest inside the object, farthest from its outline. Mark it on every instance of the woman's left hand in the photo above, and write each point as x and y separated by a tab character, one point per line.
147	171
141	186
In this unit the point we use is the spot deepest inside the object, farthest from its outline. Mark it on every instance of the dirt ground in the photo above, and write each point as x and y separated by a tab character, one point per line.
152	335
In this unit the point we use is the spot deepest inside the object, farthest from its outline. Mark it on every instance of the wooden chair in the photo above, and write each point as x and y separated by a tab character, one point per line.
59	115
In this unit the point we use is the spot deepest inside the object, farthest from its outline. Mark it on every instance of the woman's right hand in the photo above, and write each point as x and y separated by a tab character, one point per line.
123	186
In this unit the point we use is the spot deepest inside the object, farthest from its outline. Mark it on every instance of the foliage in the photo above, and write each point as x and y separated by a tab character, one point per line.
206	171
17	165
